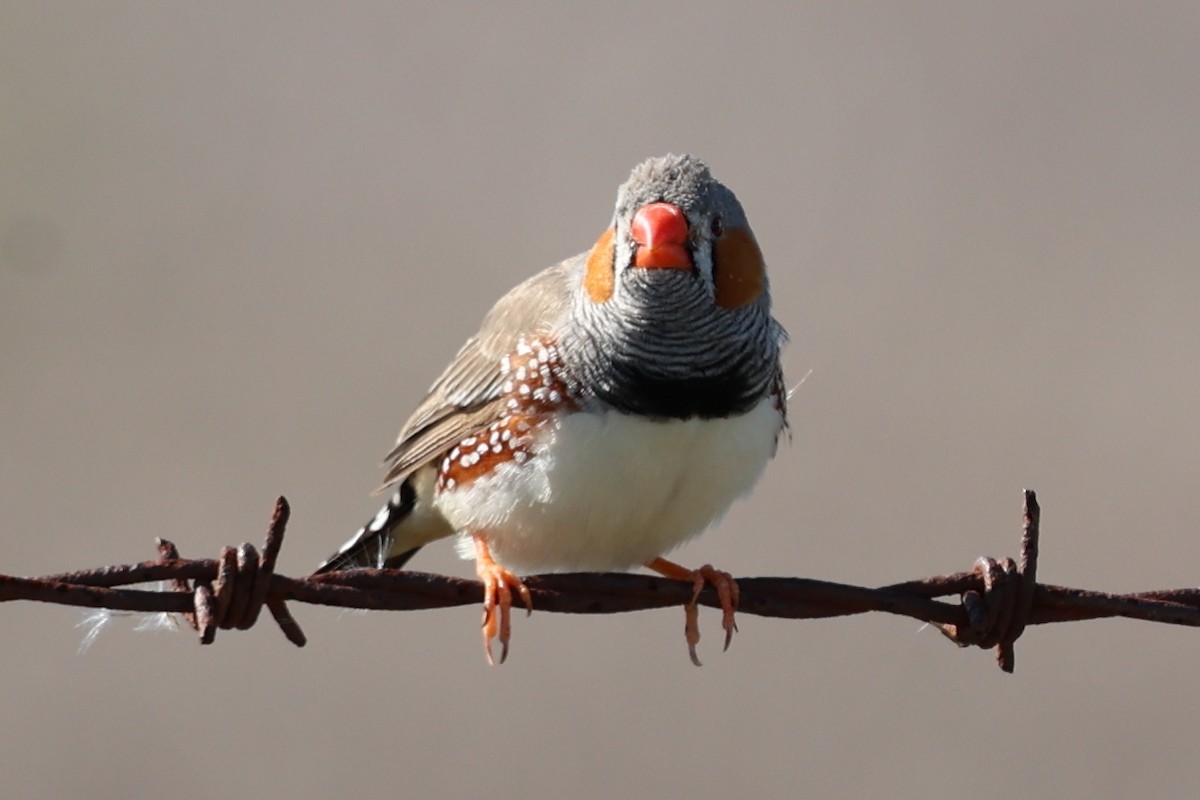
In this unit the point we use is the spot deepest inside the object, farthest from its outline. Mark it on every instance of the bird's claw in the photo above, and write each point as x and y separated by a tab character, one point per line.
498	586
727	593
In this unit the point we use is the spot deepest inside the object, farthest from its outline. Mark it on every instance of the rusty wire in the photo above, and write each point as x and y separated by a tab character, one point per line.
997	598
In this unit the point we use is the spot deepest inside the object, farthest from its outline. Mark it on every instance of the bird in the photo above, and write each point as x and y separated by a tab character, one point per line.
609	408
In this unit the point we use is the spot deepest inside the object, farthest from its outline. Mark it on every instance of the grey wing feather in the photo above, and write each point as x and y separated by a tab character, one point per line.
466	398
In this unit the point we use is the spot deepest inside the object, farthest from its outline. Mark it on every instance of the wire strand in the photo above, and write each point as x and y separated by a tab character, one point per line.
993	603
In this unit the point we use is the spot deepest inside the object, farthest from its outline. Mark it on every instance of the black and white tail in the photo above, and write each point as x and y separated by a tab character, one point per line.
402	527
371	545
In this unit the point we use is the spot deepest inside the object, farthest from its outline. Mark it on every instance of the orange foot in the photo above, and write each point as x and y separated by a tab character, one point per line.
727	591
498	584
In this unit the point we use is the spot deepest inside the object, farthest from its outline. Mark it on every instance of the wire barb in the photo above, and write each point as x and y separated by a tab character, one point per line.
998	599
997	614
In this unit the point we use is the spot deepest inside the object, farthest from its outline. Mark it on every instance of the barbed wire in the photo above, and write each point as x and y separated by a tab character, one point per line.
997	599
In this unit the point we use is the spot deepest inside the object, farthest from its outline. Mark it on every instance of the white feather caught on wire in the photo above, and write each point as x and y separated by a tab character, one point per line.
97	620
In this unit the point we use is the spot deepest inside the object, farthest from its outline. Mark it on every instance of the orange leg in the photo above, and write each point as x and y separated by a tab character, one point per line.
498	584
727	591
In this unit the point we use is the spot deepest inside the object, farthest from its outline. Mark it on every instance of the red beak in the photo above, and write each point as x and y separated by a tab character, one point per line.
661	232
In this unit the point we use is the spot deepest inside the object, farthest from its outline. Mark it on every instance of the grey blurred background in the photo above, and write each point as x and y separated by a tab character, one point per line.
238	240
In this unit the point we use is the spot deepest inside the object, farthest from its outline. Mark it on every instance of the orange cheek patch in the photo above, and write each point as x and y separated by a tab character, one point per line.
598	277
739	270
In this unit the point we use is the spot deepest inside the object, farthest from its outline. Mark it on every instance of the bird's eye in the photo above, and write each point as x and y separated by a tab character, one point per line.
716	227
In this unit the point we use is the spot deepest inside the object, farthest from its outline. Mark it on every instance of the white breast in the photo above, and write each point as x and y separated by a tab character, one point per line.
607	491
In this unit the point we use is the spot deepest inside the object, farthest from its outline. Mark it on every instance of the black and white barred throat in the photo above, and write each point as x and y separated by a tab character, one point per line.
661	348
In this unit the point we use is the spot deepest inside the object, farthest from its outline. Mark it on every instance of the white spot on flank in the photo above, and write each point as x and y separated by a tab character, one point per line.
380	520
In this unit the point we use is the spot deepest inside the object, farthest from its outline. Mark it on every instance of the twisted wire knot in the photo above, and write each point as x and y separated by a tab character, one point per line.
998	611
241	587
